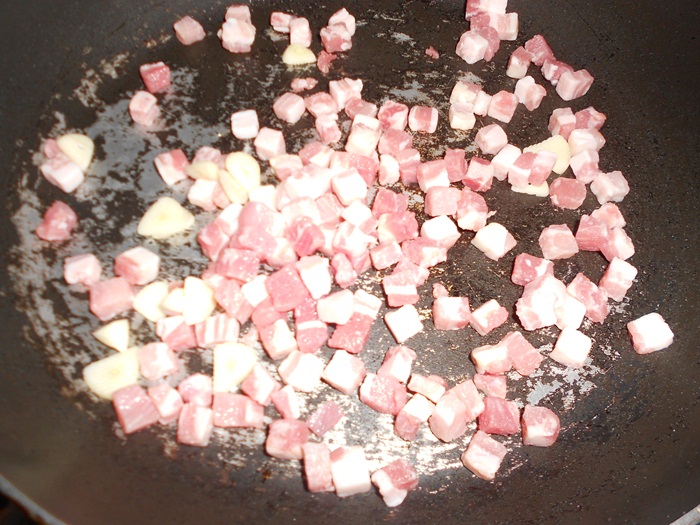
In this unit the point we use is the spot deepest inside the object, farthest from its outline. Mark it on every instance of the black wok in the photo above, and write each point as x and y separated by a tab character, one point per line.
629	452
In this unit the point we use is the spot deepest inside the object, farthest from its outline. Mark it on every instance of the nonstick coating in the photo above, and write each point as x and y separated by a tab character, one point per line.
629	453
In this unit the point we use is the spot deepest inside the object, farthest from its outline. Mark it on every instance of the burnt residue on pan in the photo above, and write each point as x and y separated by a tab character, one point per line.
620	415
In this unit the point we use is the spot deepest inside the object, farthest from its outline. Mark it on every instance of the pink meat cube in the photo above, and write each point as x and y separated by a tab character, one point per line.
155	76
350	471
176	333
337	307
423	118
491	359
442	201
451	313
343	272
336	38
650	333
344	372
143	108
62	172
558	242
168	402
110	298
567	193
219	328
484	455
393	115
506	24
324	418
286	402
303	84
84	269
341	16
280	21
618	244
59	222
494	241
397	363
403	323
552	70
195	425
488	317
137	265
525	357
239	264
479	176
188	31
409	160
413	414
575	84
591	234
610	187
289	107
536	307
425	252
527	267
236	411
572	348
397	227
491	139
585	139
321	103
504	160
540	426
286	289
432	387
472	47
617	279
171	166
590	118
562	122
362	140
539	50
285	438
475	7
385	255
301	371
269	143
585	165
394	140
277	339
491	386
383	394
595	299
518	63
460	405
353	335
229	296
529	93
324	60
135	410
441	230
299	31
502	107
317	467
245	124
260	385
344	90
237	35
197	389
157	360
432	174
394	481
499	417
357	106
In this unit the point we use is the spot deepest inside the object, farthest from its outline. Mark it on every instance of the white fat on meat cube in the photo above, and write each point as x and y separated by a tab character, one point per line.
269	143
342	16
167	400
143	108
157	360
585	139
442	230
572	348
540	426
394	481
301	371
285	438
562	122
558	242
650	333
464	92
574	84
451	313
388	170
237	35
188	31
471	47
350	471
404	323
244	124
134	408
362	140
482	103
432	387
518	63
84	269
461	116
433	174
300	31
617	279
336	308
491	139
570	313
537	306
423	119
344	372
488	317
255	291
286	402
491	359
349	186
266	194
484	455
195	425
344	90
314	271
529	93
610	187
494	240
171	166
397	363
278	339
202	192
289	107
317	467
411	417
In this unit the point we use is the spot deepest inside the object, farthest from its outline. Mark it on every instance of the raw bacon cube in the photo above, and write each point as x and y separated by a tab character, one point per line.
299	31
499	417
59	222
301	371
195	425
442	201
585	165
286	289
432	174
289	107
479	176
410	418
502	107
540	426
529	93
135	410
397	363
393	115
460	405
491	386
491	139
525	357
539	50
62	172
285	438
336	38
244	124
188	31
280	21
472	211
451	313
568	194
344	372
350	471
494	241
610	187
197	389
157	360
472	47
324	418
138	265
562	122
237	34
357	106
260	385
552	70
336	308
591	234
403	323
171	166
317	467
236	411
481	103
344	90
277	339
168	402
461	116
143	108
617	279
110	298
269	143
491	359
484	455
442	230
570	313
475	7
618	244
156	76
383	394
394	481
84	269
572	348
650	333
537	306
423	118
558	242
527	268
432	387
518	63
286	402
595	299
574	84
504	160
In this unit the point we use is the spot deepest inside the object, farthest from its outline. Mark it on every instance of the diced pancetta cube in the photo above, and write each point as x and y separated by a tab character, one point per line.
324	60
303	84
245	125
353	335
536	307
344	372
585	165
451	313
409	160
500	417
137	265
167	401
195	425
336	38
525	357
110	298
394	481
527	267
618	244
432	387
488	317
575	84
471	47
342	16
171	166
529	93
562	122
610	187
590	118
494	241
475	7
567	193
491	139
490	385
350	471
143	108
343	272
502	107
157	360
383	393
591	234
442	230
135	410
362	140
286	402
484	455
595	299
188	31
481	103
344	90
552	70
300	31
301	371
155	76
269	143
540	426
84	269
62	172
317	467
491	359
176	333
236	411
441	200
479	176
423	119
237	35
336	308
432	174
572	348
277	339
410	418
229	295
197	389
539	50
650	333
506	24
504	160
324	418
461	116
285	438
424	252
397	363
518	63
260	385
289	107
280	21
617	279
585	139
385	255
460	405
393	115
357	106
349	186
58	223
558	242
286	289
570	313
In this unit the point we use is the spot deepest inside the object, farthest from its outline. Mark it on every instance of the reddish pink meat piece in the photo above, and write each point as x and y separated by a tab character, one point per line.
400	289
488	317
397	227
137	265
176	333
539	50
219	328
552	70
155	76
157	360
168	402
451	313
195	425
475	7
237	35
350	471
110	298
324	60
557	242
344	372
212	239
499	417
472	47
423	119
300	31
385	255
236	411
459	406
303	84
171	166
502	107
595	299
536	306
188	31
585	165
62	172
311	333
424	252
393	115
574	85
432	387
143	108
491	385
286	402
591	234
135	410
84	269
317	467
518	63
397	363
394	140
484	455
285	438
491	359
491	139
383	394
196	389
228	295
324	418
505	24
527	267
525	357
412	416
239	12
394	481
260	385
269	143
540	426
280	21
432	53
59	222
277	338
479	175
432	174
610	187
562	122
619	245
529	93
343	271
567	193
617	279
239	264
589	118
286	289
336	38
302	371
289	107
442	201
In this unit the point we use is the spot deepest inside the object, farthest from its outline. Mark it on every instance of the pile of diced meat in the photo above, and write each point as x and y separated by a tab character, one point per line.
322	225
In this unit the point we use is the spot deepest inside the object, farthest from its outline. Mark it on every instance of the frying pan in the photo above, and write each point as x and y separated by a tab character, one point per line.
629	449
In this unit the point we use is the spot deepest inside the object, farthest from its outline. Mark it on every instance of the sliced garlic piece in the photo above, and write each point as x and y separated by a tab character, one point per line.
148	300
233	189
199	300
165	218
540	190
106	376
244	168
232	364
204	169
298	55
77	147
174	302
114	335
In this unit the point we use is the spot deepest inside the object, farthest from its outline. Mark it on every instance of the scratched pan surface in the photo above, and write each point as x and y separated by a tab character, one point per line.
629	449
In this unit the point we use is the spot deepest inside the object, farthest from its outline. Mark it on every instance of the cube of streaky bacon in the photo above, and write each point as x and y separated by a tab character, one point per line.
84	269
327	128
581	139
491	385
383	394
425	252
414	413
285	438
357	106
213	239
529	93
488	317
504	160
229	296
135	410
289	107
277	339
394	481
236	411
280	21
595	299
385	255
202	194
540	426
525	357
484	455
503	105
58	223
197	389
472	47
324	60
239	12
562	122
286	288
591	234
324	418
505	24
157	360
432	387
269	143
144	109
442	200
155	76
572	348
397	363
537	306
423	119
617	279
566	193
475	7
590	118
167	400
500	417
300	31
310	335
491	139
492	37
650	333
286	402
432	174
337	307
610	187
457	407
393	115
362	140
314	272
343	271
344	372
301	371
342	16
552	70
527	267
479	175
110	298
451	313
260	386
585	165
245	124
570	313
403	323
171	166
491	359
62	172
574	84
518	63
336	38
539	50
400	289
558	242
303	84
409	160
237	36
137	265
177	334
344	90
317	467
195	425
481	103
188	31
350	471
